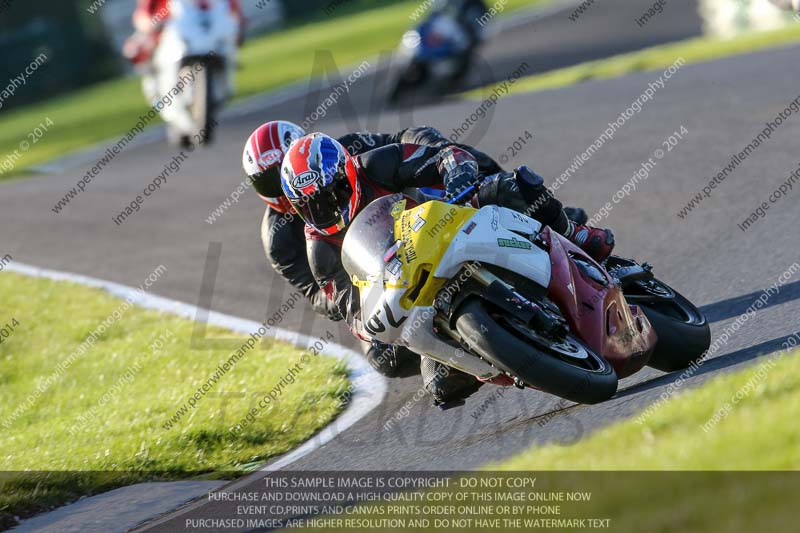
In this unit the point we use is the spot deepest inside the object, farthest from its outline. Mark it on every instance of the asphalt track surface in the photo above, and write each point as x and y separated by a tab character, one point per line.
723	105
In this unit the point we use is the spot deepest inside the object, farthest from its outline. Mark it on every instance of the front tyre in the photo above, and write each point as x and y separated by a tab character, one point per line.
565	367
406	82
202	106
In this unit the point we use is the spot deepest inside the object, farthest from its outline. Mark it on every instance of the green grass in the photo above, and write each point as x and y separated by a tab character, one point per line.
759	433
124	441
658	57
112	108
666	474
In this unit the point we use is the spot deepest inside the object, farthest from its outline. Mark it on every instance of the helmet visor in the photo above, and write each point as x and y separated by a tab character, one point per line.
327	210
268	182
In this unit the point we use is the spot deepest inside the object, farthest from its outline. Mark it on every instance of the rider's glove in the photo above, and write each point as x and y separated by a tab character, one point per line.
458	169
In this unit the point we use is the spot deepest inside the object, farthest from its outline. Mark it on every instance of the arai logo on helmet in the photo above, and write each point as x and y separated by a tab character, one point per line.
270	157
301	181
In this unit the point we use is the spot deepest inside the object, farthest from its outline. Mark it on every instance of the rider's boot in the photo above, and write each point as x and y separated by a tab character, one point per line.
597	242
447	385
389	360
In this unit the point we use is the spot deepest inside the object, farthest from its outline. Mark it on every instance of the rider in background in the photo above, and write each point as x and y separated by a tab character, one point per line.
149	19
468	13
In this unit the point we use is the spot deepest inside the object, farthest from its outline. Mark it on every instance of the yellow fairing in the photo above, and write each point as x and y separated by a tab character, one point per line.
426	232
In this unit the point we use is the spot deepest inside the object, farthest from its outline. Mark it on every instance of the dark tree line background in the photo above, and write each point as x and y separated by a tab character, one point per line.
77	47
305	10
72	39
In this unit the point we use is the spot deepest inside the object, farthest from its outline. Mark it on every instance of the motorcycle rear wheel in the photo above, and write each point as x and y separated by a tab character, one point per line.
565	368
683	332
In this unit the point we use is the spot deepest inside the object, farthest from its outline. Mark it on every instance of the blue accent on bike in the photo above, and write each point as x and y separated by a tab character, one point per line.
460	196
425	51
436	193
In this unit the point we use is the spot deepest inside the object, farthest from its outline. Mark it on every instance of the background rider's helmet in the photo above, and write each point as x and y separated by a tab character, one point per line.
262	157
320	179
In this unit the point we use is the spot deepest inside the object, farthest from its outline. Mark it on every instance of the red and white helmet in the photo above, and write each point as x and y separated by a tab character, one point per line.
262	158
320	179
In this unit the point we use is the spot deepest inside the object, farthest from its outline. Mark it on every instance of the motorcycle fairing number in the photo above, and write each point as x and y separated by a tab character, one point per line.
375	325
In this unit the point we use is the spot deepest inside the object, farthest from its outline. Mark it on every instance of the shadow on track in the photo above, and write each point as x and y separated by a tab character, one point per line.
713	365
738	305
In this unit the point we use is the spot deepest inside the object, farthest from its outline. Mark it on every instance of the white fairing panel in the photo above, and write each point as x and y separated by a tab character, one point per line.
494	235
496	238
383	317
418	336
386	321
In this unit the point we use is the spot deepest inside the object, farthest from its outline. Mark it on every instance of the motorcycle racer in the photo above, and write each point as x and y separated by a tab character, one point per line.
150	16
149	19
469	14
327	187
282	232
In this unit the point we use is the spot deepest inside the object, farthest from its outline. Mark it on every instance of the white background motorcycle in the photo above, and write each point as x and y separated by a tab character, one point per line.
199	38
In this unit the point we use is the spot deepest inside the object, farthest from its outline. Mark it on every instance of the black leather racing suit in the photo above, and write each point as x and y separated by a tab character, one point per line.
284	245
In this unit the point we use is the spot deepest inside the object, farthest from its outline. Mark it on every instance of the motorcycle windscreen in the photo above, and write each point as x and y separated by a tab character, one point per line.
369	237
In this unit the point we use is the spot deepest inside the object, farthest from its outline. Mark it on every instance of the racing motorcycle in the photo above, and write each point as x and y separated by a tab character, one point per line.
494	294
434	55
196	51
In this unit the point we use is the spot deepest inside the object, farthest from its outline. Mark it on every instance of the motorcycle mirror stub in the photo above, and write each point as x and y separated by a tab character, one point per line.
392	252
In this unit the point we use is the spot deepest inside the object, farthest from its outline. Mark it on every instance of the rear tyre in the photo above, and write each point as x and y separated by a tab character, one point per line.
565	368
405	83
683	332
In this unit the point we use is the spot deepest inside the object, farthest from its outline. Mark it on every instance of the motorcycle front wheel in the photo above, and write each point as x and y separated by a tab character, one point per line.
563	367
202	105
403	83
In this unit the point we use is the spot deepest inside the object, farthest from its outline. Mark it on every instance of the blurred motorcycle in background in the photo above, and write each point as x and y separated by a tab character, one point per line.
436	55
188	65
